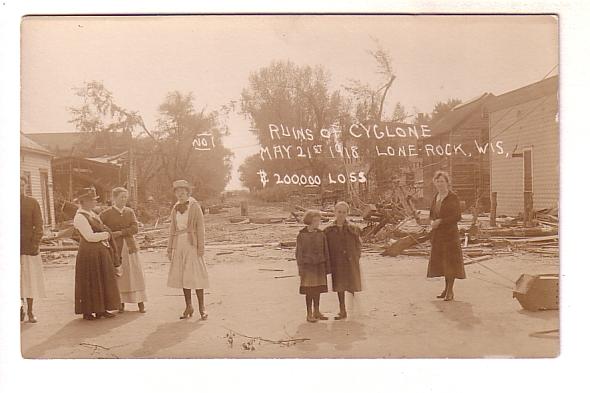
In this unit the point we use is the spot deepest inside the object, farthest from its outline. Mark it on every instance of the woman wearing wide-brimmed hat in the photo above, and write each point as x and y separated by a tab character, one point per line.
186	248
96	291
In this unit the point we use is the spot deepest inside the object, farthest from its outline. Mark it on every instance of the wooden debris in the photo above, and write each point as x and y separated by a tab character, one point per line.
478	259
396	248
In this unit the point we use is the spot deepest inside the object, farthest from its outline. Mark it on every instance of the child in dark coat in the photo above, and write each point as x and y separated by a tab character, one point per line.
344	242
313	262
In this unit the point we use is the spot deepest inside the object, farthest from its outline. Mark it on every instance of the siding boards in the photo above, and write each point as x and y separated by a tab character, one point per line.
538	130
33	163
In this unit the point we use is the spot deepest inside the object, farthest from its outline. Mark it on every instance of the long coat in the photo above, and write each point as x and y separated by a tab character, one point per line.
344	244
446	258
313	260
31	226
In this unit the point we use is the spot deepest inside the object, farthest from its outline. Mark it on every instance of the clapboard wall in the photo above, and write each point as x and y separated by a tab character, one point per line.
527	125
33	164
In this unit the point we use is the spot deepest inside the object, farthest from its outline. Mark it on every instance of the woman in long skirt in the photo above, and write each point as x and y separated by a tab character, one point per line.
96	290
32	283
446	258
186	248
344	244
122	222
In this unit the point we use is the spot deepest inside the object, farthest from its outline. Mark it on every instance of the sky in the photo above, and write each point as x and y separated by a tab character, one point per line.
141	59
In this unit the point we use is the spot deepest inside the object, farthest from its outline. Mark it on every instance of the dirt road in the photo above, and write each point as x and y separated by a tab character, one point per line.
254	292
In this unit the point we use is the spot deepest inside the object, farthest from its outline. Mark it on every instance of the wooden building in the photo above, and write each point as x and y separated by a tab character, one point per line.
82	160
464	125
525	120
35	164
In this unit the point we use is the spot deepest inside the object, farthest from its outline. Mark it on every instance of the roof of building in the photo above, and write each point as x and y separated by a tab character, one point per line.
459	113
524	94
27	143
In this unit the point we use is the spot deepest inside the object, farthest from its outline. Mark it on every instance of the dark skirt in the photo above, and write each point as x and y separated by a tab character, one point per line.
346	275
446	258
96	288
313	279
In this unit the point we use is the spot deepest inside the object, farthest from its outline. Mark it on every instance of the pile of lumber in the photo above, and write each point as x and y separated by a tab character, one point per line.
547	217
396	211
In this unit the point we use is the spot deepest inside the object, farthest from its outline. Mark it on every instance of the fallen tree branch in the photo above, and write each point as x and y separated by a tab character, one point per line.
281	342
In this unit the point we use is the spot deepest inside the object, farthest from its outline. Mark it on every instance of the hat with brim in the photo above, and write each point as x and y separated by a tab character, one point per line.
85	194
181	184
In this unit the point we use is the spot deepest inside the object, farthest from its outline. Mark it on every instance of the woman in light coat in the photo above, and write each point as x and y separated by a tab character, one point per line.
186	248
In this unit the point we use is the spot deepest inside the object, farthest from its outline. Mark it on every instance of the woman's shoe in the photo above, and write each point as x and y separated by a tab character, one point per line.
442	295
204	315
89	317
319	316
449	296
341	315
107	314
32	318
310	318
122	308
22	313
141	307
188	312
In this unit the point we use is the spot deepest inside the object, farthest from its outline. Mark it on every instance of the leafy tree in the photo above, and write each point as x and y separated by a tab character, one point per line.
248	172
442	108
164	154
294	96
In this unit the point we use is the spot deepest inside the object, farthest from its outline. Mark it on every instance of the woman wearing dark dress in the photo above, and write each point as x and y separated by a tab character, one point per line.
446	258
96	290
344	244
313	263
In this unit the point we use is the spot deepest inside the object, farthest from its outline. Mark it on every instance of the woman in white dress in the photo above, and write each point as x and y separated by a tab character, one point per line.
186	248
122	222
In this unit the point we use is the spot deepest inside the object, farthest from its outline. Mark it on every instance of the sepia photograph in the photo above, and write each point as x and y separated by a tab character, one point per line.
289	186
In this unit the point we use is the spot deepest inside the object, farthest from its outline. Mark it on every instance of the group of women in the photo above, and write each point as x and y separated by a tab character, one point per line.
109	273
108	268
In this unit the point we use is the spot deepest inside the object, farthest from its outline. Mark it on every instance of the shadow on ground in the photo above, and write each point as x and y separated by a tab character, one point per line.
78	332
342	335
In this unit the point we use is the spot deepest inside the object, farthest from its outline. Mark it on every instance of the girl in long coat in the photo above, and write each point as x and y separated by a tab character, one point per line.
186	248
446	258
96	290
122	222
344	244
313	263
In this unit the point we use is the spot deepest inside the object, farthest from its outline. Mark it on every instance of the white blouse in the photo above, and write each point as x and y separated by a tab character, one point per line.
181	220
83	226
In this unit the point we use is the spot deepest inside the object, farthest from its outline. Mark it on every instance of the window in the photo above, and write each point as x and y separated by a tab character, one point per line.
29	190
